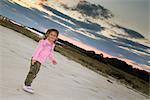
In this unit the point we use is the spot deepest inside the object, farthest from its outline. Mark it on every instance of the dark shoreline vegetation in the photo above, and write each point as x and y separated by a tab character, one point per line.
120	70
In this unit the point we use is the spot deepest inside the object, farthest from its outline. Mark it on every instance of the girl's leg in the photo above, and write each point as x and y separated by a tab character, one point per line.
34	69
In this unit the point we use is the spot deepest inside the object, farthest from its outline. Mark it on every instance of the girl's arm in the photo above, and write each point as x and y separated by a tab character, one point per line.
37	50
51	56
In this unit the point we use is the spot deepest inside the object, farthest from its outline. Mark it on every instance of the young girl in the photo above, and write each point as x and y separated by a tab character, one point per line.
43	51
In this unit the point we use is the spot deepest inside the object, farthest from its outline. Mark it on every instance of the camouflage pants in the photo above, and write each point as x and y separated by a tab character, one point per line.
34	69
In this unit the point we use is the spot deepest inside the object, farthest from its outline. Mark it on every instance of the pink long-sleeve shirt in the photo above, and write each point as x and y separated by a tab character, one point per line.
43	51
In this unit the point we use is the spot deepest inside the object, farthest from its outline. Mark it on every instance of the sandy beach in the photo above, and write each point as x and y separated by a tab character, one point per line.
67	80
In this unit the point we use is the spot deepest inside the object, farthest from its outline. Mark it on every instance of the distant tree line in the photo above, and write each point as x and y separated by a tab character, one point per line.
122	65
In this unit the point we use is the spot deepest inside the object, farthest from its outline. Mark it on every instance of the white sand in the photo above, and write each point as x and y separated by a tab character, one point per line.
67	80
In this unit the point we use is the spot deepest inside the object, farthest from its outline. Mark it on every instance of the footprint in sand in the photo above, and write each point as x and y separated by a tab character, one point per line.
110	97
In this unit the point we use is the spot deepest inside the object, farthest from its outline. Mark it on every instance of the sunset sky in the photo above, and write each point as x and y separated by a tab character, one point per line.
133	14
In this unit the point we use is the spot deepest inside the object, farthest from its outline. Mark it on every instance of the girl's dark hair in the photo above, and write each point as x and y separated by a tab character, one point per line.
49	31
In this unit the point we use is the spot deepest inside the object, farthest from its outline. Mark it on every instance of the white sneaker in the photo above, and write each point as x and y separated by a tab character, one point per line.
28	89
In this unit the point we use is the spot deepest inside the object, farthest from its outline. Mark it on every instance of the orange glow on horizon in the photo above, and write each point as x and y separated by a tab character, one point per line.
136	65
90	48
84	46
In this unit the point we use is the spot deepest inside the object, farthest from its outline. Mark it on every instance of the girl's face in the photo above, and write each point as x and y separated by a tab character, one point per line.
52	36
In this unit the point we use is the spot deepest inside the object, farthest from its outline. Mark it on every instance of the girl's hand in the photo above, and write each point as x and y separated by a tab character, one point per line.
54	62
33	61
